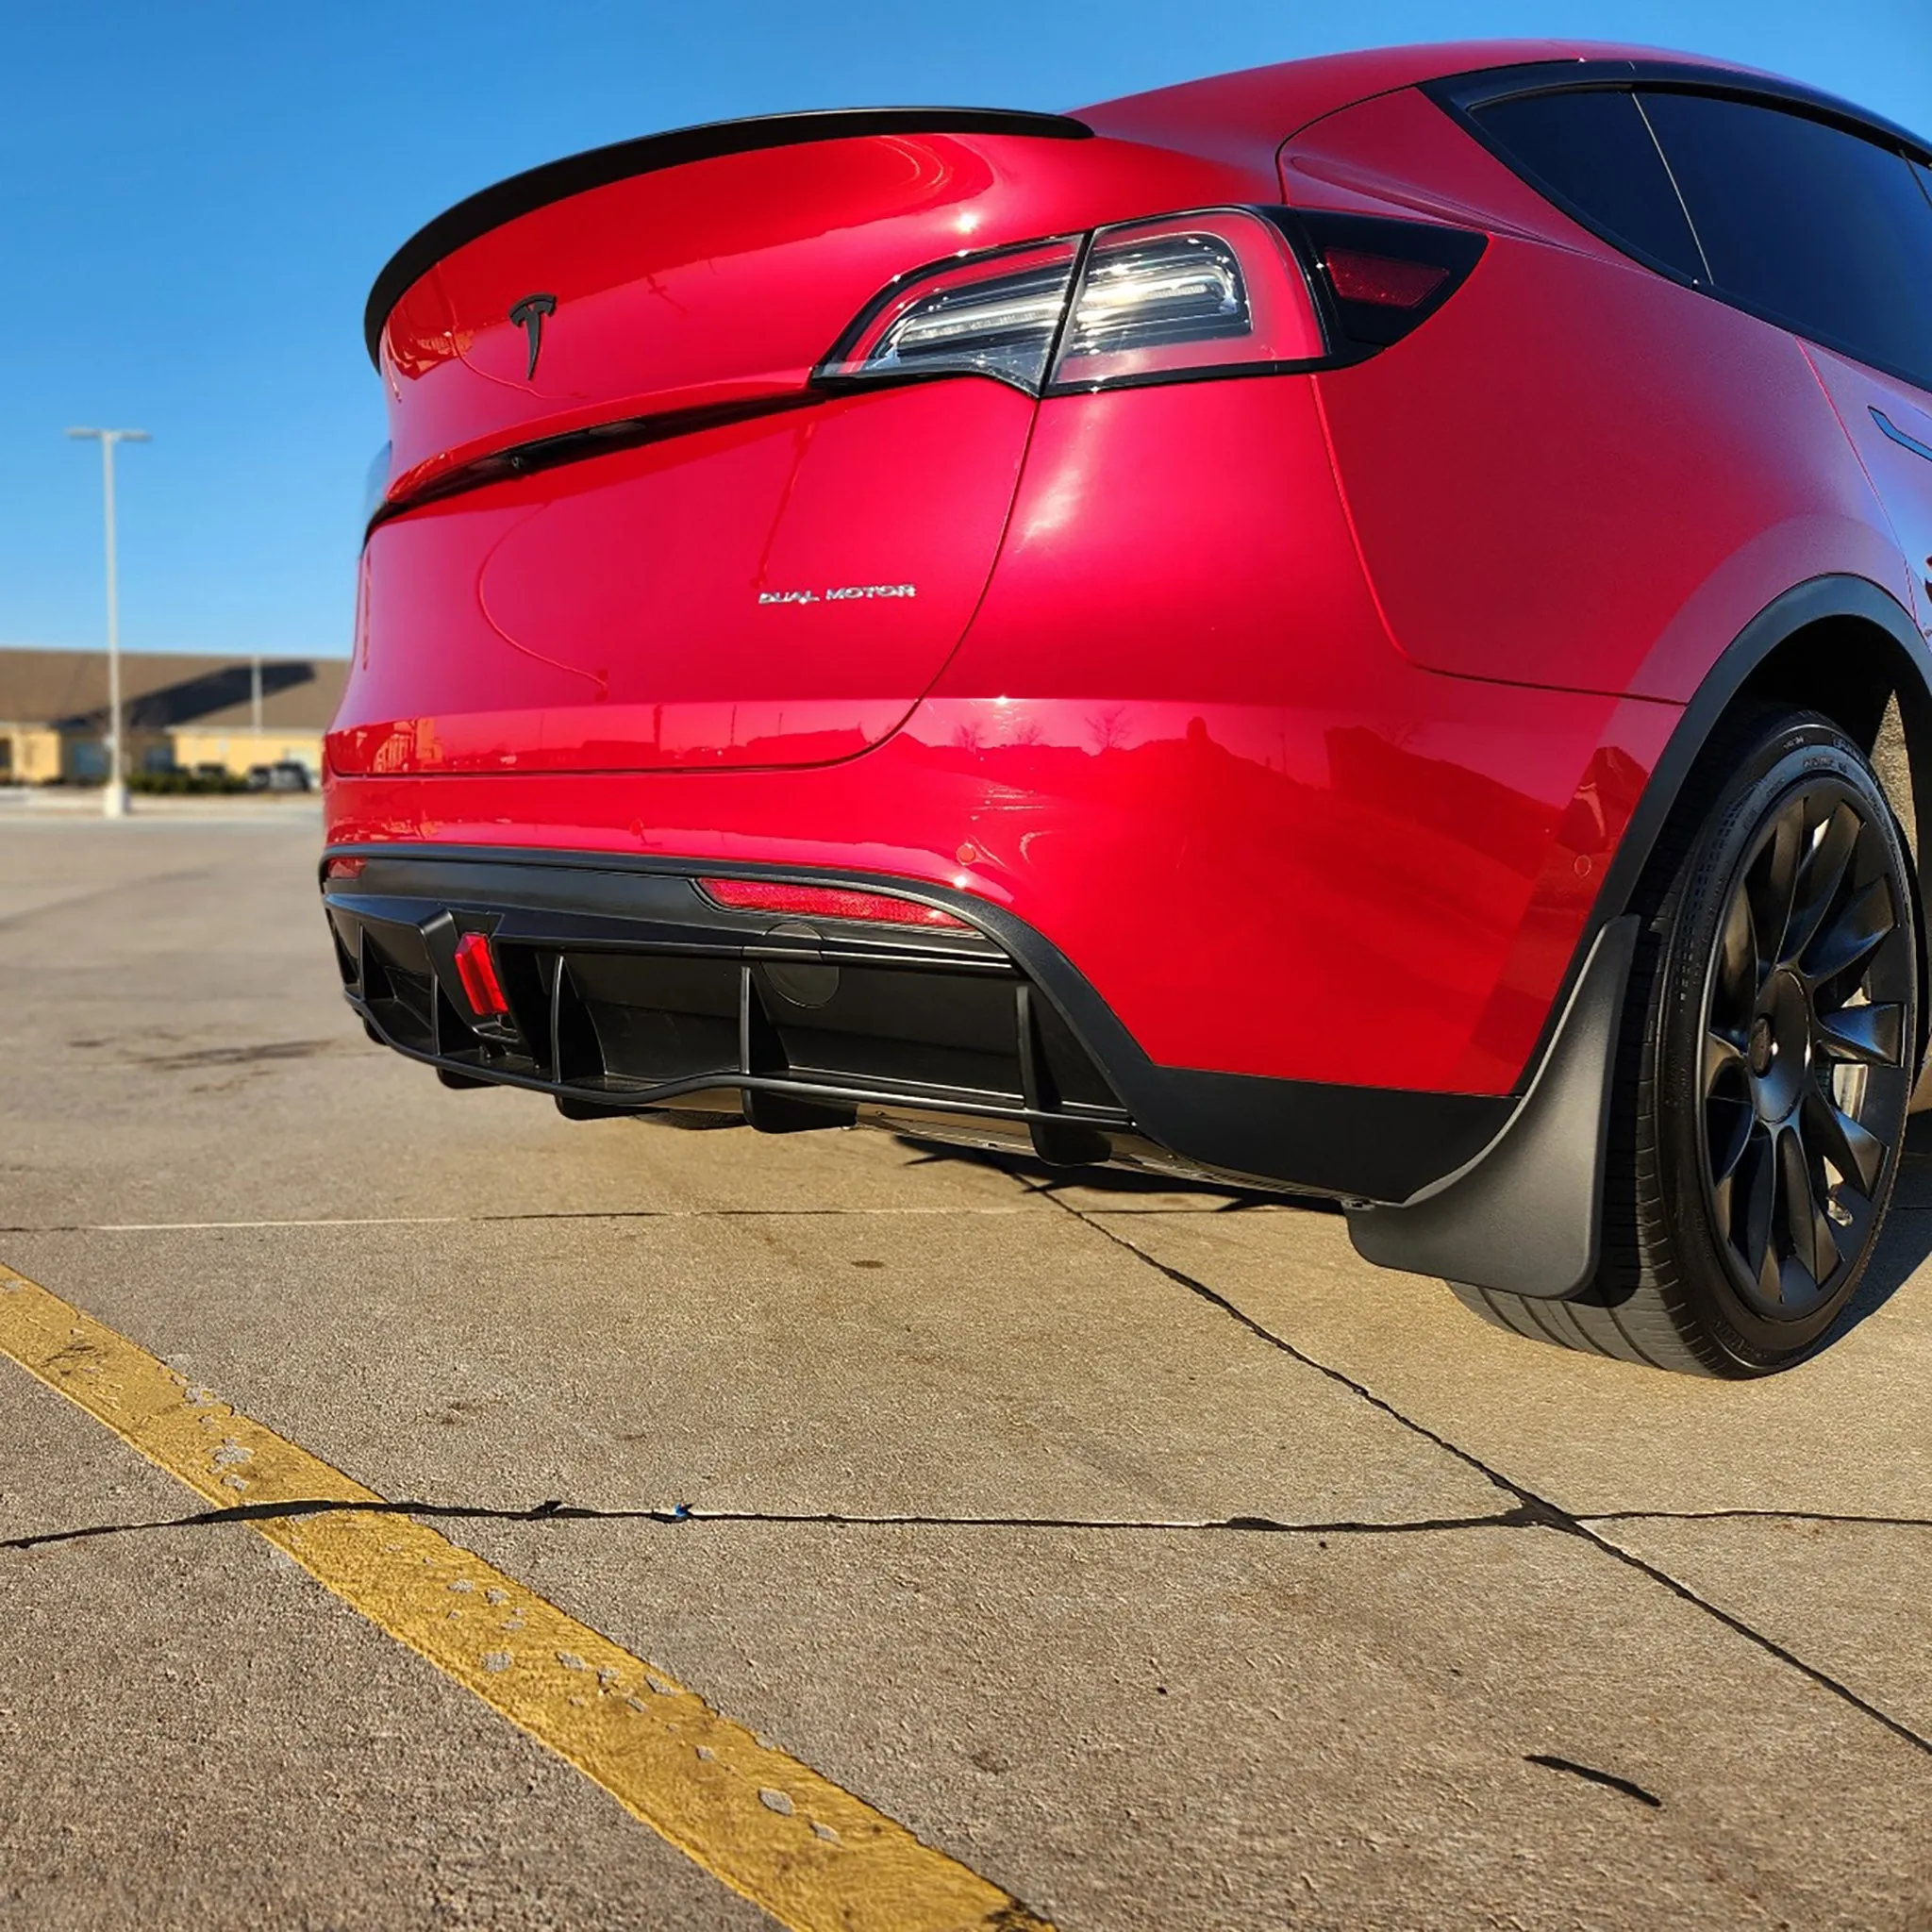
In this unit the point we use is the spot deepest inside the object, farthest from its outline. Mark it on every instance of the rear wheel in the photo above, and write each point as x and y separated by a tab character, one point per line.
1769	1034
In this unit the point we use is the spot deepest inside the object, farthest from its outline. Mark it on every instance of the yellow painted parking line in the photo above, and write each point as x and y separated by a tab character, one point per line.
813	1855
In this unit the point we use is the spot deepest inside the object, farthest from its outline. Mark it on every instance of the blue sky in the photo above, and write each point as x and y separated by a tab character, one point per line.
195	197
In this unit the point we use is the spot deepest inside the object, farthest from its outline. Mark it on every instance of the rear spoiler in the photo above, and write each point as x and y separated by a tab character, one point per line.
557	181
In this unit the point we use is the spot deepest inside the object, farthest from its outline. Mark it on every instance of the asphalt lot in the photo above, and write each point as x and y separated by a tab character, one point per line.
1143	1551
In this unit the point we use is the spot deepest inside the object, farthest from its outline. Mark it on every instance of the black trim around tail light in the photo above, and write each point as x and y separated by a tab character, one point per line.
1380	280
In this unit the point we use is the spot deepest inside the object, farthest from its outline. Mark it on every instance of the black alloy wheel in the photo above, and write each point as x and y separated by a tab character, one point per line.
1807	998
1769	1047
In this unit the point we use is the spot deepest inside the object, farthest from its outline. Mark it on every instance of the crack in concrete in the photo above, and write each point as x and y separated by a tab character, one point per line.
1549	1515
1629	1787
1753	1516
555	1510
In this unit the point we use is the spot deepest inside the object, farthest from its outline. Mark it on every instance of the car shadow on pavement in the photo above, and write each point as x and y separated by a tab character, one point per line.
1049	1180
1903	1249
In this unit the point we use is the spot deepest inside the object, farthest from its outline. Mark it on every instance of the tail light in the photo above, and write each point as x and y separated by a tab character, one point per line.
1219	292
995	314
1179	297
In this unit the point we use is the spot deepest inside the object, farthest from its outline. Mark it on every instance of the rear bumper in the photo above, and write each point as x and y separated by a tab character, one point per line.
630	990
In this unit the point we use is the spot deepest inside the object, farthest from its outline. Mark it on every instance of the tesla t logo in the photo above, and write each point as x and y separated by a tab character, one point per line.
528	316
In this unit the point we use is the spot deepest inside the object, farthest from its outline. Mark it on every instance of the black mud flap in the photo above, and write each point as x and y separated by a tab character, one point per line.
1525	1215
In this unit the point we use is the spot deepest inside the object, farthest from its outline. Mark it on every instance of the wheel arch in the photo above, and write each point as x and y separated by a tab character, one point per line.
1839	645
1525	1215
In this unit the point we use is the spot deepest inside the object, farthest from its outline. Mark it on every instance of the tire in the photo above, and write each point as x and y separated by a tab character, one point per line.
1761	1082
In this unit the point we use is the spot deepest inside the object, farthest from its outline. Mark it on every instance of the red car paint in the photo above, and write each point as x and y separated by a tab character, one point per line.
1304	712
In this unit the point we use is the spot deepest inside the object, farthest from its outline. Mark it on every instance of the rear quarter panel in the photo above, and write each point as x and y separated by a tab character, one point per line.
1576	473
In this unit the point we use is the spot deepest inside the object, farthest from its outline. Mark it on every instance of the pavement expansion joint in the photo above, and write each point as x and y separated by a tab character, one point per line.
1546	1513
813	1855
502	1217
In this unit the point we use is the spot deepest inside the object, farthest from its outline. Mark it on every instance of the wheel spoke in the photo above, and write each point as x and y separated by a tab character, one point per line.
1821	873
1737	969
1809	1234
1864	921
1797	1286
1856	1153
1750	1199
1723	1055
1727	1126
1773	883
1872	1036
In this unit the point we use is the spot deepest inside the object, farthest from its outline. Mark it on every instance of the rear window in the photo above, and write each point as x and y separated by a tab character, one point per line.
1590	152
1806	224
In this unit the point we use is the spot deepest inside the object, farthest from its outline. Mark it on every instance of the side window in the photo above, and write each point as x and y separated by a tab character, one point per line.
1592	150
1813	227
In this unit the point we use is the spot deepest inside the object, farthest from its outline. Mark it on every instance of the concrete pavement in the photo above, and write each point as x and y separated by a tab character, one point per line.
1139	1549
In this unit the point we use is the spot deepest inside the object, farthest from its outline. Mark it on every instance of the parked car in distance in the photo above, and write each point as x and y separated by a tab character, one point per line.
284	774
1360	628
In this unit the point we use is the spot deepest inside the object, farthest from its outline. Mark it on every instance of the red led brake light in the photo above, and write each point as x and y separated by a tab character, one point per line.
822	902
1382	280
476	969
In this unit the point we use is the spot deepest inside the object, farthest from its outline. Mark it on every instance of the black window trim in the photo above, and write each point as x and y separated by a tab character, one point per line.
1462	95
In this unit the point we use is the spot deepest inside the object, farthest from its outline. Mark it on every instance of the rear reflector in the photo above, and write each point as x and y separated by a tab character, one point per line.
822	902
476	969
343	868
1381	278
1385	278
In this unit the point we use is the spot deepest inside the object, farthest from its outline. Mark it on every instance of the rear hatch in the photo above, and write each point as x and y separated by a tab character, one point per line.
622	530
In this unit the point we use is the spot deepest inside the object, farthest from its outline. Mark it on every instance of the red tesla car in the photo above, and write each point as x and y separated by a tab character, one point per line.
1359	626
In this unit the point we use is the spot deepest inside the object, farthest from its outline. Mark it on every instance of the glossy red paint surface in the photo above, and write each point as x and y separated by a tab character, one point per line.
778	590
1177	739
1517	472
726	280
1303	713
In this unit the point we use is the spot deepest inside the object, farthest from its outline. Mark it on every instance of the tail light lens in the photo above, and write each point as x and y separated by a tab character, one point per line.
1219	292
1163	299
995	314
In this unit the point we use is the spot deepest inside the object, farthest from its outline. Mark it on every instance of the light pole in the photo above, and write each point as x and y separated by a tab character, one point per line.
114	799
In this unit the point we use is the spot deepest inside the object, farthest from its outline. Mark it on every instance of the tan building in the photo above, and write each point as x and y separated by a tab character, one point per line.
180	711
